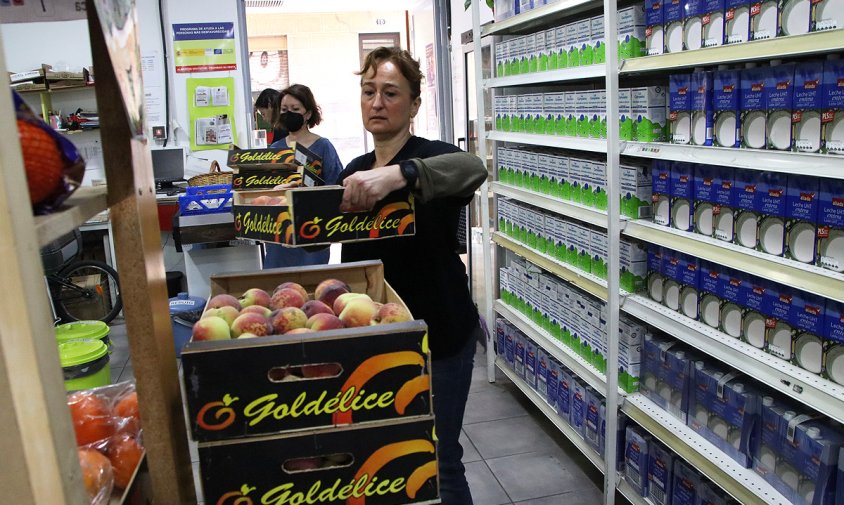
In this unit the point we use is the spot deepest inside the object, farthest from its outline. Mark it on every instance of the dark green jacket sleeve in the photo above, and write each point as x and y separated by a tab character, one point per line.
452	175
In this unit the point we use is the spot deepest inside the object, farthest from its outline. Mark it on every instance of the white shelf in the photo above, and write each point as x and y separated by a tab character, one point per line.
562	74
781	47
590	283
818	165
743	484
85	203
553	204
809	278
631	494
538	16
566	356
821	394
577	143
564	427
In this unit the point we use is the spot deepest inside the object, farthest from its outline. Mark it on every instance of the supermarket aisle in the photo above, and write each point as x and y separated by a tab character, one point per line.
513	455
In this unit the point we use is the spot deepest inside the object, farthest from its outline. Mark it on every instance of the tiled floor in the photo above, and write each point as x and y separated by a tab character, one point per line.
513	454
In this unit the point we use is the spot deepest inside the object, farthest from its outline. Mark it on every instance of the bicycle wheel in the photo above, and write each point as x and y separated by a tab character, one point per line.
87	290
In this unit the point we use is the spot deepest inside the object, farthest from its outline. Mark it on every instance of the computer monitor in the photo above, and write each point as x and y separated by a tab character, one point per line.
168	165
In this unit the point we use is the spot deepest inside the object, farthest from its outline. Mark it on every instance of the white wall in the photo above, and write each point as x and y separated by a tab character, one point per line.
461	21
423	33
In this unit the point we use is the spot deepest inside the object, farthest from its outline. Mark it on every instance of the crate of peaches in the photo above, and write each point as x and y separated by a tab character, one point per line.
304	348
109	438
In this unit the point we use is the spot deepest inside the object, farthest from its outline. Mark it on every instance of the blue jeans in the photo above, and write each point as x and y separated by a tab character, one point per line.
451	379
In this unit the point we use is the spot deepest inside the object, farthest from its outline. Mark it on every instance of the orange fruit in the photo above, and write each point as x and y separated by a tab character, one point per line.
127	409
97	472
92	419
42	160
125	454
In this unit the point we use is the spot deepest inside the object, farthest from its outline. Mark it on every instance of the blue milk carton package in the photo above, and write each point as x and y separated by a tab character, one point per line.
519	359
795	17
724	208
712	34
807	107
706	182
709	307
753	107
542	372
831	225
671	284
654	40
592	419
660	469
779	332
833	368
772	430
686	485
764	18
832	120
578	406
679	108
747	184
702	108
801	213
668	366
736	21
812	448
673	25
770	208
754	319
564	390
660	191
681	189
693	12
726	90
779	97
689	285
826	15
553	382
655	280
636	459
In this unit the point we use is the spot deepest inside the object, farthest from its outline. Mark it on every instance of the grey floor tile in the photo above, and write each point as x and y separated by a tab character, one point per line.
480	380
128	373
584	495
485	489
492	405
115	373
506	437
535	475
470	453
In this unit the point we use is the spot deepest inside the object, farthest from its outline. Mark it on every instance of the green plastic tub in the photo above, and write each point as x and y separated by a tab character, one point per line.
83	330
85	364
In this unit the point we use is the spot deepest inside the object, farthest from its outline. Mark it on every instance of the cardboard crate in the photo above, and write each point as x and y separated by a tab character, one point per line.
260	158
385	464
312	216
236	388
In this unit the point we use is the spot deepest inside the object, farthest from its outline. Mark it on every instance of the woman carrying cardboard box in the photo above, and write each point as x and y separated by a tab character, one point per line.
424	269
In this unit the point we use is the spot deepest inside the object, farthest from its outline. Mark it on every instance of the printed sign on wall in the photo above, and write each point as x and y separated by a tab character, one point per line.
204	47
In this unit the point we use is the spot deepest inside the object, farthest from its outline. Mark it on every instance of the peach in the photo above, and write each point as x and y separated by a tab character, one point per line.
391	313
261	200
286	319
277	200
211	328
257	309
358	312
251	323
312	307
328	290
323	321
254	296
286	297
222	300
247	335
299	330
227	312
342	300
293	285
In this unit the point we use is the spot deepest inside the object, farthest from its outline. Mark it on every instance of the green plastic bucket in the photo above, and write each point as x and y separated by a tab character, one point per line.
85	364
79	330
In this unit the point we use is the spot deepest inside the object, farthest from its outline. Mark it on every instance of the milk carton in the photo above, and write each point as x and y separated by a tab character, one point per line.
500	58
661	192
753	107
631	32
660	474
597	106
654	40
499	106
826	15
564	390
831	225
597	42
726	114
560	57
832	133
578	406
779	96
542	51
807	107
709	307
573	45
583	38
702	107
770	206
671	287
724	208
706	183
599	184
736	21
693	12
530	362
520	116
583	100
625	118
689	286
712	34
553	382
681	190
584	248
795	17
801	212
779	332
599	246
648	111
633	261
635	183
655	281
686	485
571	113
673	25
834	345
679	106
636	459
764	16
747	217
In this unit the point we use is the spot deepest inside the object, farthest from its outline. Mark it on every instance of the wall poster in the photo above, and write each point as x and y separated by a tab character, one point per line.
204	47
211	111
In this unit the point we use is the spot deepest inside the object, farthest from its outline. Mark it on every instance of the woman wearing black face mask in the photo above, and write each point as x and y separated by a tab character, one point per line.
299	113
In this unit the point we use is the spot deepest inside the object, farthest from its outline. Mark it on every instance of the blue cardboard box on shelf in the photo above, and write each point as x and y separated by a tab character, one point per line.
686	485
770	207
553	381
692	24
668	364
660	474
682	193
831	225
779	96
812	448
564	389
702	107
736	21
807	312
673	25
807	107
578	406
654	41
726	89
712	34
593	421
832	136
636	459
680	107
661	192
723	211
206	199
753	106
802	201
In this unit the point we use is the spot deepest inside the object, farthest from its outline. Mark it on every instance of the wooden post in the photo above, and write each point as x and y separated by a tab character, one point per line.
140	263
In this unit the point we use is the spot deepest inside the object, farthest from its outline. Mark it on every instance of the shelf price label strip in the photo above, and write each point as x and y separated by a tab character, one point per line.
576	143
742	484
819	393
810	278
549	76
550	203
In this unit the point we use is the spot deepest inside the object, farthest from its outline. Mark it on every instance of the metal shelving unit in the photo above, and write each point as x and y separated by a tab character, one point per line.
819	165
86	202
569	209
823	395
742	484
580	144
631	494
564	427
810	278
538	16
551	76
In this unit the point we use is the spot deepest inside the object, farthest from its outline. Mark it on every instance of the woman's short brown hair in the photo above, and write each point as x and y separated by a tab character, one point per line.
303	94
402	59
